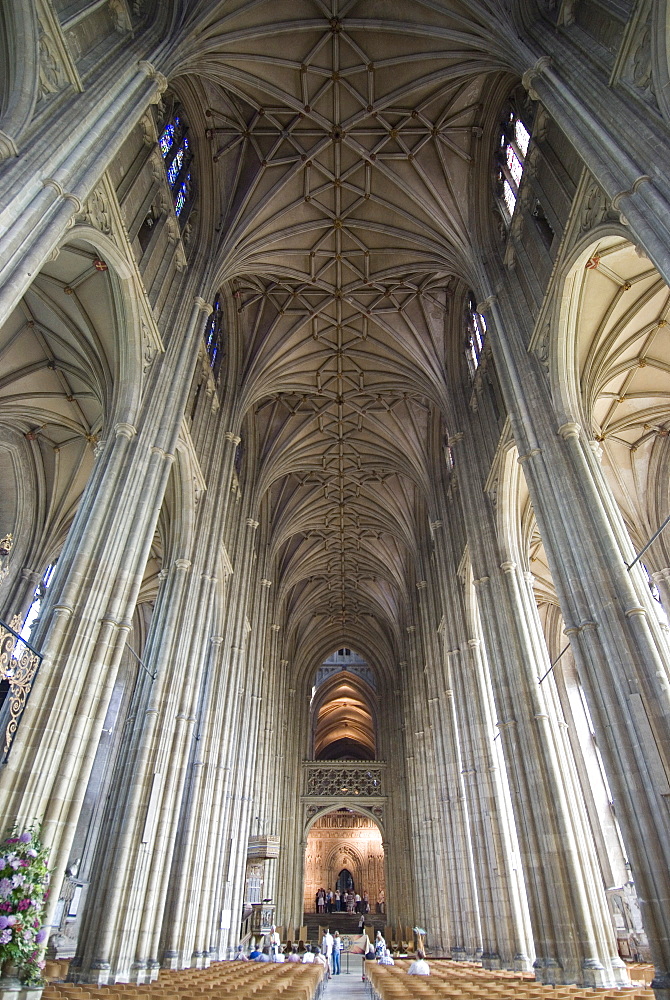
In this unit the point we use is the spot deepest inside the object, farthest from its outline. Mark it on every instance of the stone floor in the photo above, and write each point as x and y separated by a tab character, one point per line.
346	985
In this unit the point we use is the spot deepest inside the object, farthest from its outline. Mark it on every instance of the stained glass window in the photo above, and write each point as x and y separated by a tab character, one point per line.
214	341
175	166
176	150
183	192
522	136
475	326
167	138
512	152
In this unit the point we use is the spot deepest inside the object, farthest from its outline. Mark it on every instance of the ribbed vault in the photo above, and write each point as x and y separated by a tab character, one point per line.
343	134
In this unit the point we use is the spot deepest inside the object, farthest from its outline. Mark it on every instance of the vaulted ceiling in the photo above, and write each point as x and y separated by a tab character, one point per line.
343	134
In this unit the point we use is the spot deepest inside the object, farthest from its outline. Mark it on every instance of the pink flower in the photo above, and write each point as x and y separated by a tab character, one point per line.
24	904
25	838
12	920
40	965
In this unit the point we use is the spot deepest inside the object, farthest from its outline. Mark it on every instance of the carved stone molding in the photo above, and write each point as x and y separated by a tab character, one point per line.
338	779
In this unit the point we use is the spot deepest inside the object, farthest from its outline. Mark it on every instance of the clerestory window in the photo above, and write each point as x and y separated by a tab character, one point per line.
511	159
475	333
36	605
175	147
214	341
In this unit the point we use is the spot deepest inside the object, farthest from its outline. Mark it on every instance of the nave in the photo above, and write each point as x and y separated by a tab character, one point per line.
334	483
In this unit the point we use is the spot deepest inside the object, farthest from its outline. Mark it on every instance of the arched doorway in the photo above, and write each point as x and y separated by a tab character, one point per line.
345	881
344	850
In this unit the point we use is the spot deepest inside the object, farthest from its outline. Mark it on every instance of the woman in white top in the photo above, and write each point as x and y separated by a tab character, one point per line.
419	966
308	956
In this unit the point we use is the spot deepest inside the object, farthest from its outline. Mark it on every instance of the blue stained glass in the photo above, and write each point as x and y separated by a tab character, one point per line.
175	167
166	140
182	194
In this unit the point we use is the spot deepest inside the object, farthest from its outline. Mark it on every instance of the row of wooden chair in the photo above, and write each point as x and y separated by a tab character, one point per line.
465	981
234	980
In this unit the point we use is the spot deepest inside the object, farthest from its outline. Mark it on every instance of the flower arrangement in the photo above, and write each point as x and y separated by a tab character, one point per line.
24	888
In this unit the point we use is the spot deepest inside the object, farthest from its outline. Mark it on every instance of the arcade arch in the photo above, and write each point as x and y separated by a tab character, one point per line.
341	841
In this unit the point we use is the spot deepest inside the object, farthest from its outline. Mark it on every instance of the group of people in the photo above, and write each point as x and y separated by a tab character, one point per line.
347	901
419	967
327	955
329	952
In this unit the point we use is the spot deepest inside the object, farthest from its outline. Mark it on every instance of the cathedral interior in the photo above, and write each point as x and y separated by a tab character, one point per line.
335	468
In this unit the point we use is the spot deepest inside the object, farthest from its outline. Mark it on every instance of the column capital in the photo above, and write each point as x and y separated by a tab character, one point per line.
534	71
252	524
629	191
530	454
203	306
154	74
233	438
508	566
484	306
570	429
125	430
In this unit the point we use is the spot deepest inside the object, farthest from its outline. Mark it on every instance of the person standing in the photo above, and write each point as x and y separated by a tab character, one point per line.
336	897
274	941
327	944
337	948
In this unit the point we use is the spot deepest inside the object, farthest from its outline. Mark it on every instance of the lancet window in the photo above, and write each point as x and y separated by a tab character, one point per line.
37	601
511	159
475	327
214	338
175	147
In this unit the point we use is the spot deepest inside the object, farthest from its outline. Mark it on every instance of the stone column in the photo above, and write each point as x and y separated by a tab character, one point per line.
457	890
503	910
48	185
618	647
598	121
88	609
573	943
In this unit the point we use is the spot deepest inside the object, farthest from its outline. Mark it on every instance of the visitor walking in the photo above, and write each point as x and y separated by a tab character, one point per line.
337	948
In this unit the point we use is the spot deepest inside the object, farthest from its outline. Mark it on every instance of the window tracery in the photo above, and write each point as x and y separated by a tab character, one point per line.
214	341
37	601
512	152
177	156
475	326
